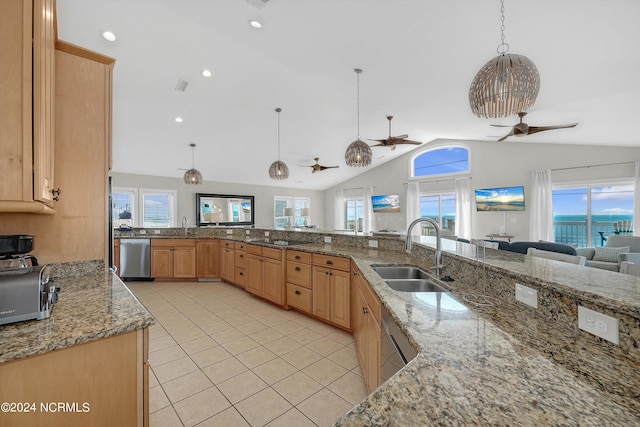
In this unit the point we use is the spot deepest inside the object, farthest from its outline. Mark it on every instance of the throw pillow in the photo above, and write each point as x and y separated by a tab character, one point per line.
610	254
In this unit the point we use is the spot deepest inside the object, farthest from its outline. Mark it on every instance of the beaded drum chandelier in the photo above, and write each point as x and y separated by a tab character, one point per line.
278	169
358	153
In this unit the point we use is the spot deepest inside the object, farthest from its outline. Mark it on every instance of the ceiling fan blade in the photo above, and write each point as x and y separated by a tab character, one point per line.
408	141
535	129
382	141
400	136
502	126
506	136
382	144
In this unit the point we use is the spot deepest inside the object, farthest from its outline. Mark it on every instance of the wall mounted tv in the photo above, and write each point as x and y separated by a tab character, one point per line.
387	203
500	199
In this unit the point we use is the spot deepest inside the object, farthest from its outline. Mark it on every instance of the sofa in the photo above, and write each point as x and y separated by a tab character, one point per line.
523	247
617	249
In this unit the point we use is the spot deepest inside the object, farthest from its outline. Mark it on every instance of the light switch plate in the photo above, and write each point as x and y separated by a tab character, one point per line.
156	231
266	234
327	239
229	231
247	232
373	243
599	324
526	295
143	231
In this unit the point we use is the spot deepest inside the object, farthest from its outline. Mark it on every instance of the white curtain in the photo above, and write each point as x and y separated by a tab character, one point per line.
367	227
541	220
413	202
338	213
636	201
463	208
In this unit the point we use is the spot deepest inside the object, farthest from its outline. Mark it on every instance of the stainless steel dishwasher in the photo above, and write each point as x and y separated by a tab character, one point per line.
395	349
135	259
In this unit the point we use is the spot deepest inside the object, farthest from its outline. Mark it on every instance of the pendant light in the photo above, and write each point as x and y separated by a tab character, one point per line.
193	175
358	153
506	85
278	169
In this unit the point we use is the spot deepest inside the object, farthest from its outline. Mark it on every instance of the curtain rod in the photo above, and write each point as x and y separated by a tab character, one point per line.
356	188
591	166
437	180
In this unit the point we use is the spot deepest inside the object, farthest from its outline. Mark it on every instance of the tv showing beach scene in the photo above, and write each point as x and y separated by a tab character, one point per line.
500	199
386	203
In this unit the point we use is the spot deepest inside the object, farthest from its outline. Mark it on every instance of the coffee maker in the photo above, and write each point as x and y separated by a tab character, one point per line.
14	251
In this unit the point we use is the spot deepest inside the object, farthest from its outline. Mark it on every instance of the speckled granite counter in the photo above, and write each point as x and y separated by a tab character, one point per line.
90	307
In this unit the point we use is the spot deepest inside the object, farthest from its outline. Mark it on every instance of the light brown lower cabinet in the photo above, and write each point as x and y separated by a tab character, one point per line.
265	273
207	258
367	329
227	261
173	258
332	290
100	383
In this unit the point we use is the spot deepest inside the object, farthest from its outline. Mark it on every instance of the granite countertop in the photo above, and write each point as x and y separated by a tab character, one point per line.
89	308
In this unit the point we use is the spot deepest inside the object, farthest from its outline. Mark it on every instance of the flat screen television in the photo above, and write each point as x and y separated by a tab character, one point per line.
500	199
386	203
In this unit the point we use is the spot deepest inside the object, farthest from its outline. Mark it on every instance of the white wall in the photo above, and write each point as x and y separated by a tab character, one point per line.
187	195
494	164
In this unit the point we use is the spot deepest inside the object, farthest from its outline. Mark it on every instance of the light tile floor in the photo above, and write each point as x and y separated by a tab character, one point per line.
220	357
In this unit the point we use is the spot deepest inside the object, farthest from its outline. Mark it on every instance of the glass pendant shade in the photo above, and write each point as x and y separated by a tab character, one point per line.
193	175
358	154
506	85
278	170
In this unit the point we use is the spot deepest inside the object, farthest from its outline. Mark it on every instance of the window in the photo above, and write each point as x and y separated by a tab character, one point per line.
585	215
354	213
440	207
143	208
440	161
300	205
158	208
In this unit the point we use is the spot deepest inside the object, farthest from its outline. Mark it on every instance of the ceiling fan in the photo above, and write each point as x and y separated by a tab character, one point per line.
318	167
392	141
522	129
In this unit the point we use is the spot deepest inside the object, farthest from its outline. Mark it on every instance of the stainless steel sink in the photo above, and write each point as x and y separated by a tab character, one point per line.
401	272
408	279
414	285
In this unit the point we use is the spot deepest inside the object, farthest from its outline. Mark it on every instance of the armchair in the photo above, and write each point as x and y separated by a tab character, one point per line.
618	248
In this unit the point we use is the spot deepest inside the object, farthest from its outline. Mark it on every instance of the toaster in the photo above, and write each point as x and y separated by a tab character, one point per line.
27	294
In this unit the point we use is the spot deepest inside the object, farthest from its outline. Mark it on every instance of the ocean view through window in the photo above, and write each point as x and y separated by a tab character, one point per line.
585	216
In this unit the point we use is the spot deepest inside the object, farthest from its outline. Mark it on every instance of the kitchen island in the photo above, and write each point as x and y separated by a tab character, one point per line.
84	365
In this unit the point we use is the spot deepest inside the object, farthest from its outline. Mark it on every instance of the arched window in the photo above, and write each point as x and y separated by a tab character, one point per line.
452	159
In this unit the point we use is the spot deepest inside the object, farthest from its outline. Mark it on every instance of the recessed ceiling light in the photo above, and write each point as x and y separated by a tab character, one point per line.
178	119
207	73
109	36
255	24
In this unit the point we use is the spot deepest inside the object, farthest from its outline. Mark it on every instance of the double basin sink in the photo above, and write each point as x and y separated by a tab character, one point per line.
408	279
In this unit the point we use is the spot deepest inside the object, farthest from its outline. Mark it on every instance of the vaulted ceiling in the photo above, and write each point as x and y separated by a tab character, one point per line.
418	56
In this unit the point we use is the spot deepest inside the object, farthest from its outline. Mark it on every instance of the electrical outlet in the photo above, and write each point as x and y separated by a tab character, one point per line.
526	295
247	232
327	239
599	324
156	231
229	231
143	231
373	243
266	234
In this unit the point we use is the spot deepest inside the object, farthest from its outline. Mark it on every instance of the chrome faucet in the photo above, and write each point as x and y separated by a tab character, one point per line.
436	226
185	224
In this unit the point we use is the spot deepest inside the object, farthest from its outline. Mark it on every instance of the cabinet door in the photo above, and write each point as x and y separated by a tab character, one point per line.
359	308
254	275
273	280
372	352
340	298
227	264
207	258
184	262
43	99
116	255
321	292
161	262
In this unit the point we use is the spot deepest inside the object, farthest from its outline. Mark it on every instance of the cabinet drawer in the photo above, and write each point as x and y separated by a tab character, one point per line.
240	245
241	259
272	253
228	244
298	273
332	262
173	242
240	277
253	249
298	256
299	297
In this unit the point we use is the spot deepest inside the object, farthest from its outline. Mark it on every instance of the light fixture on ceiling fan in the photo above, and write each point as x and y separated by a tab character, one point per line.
193	175
358	153
508	84
278	169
